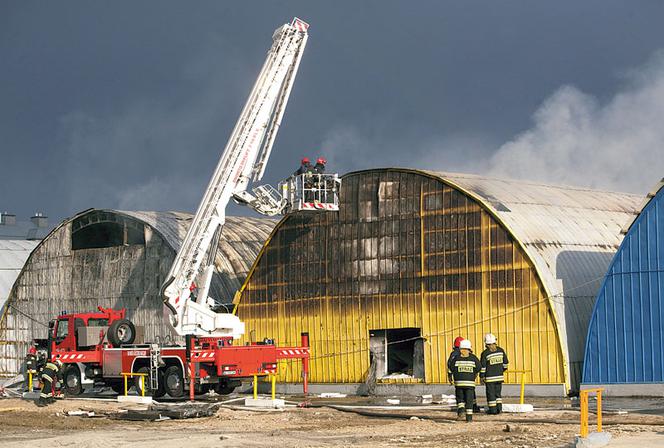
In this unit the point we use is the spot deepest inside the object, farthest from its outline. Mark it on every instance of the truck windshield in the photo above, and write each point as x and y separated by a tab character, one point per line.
63	329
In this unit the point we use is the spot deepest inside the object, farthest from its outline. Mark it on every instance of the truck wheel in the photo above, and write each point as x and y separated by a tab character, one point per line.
174	381
121	332
149	390
72	381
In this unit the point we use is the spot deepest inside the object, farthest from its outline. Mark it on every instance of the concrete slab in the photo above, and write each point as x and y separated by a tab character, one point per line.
266	403
31	395
517	408
134	399
629	390
594	440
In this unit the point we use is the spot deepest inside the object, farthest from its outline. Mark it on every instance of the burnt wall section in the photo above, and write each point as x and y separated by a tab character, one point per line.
406	251
121	261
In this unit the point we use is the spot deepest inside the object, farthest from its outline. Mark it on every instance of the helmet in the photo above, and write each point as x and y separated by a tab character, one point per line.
32	350
58	363
321	160
489	339
305	160
457	341
465	344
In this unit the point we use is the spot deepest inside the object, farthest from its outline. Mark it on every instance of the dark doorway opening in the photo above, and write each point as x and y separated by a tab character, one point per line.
397	352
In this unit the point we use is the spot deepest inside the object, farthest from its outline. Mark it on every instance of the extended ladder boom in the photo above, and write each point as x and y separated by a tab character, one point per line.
243	159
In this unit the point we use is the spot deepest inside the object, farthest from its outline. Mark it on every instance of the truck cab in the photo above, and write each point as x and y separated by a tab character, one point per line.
87	331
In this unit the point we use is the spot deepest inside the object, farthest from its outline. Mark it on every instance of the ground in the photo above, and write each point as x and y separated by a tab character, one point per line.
21	422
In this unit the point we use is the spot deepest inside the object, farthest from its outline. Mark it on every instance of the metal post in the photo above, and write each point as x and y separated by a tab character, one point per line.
584	413
125	382
523	387
305	365
273	379
192	371
142	385
30	381
255	387
599	410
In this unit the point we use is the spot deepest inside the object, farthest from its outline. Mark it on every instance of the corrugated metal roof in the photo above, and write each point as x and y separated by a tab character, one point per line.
651	194
13	254
241	240
569	233
626	336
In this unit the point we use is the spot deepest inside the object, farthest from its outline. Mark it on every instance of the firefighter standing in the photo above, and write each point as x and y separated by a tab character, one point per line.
462	372
494	363
48	378
305	167
30	365
454	353
319	168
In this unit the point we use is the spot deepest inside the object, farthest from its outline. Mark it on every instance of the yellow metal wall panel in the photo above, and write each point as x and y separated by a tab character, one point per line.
405	251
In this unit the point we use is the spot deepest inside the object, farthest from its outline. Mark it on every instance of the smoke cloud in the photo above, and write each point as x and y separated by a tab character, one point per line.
579	140
576	139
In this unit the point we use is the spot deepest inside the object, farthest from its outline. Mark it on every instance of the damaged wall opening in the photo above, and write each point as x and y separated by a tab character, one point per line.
102	229
397	353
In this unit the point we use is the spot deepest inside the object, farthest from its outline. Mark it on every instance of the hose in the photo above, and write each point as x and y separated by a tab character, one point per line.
439	419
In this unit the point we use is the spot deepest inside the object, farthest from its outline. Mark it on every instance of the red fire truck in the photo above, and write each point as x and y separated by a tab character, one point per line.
100	347
97	348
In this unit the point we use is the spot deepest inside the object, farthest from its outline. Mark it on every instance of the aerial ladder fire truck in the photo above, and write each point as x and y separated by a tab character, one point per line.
98	348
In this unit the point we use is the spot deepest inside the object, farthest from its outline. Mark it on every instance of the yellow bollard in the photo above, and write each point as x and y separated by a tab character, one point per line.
142	386
255	387
273	378
584	413
599	410
125	382
583	395
30	381
523	387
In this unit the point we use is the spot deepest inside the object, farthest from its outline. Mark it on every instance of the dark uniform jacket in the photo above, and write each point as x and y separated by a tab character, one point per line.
494	365
464	370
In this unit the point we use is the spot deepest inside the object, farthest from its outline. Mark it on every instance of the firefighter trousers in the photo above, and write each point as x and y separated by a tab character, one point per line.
494	396
465	398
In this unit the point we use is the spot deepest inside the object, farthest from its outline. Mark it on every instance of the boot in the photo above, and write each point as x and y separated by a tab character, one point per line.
499	408
492	410
469	418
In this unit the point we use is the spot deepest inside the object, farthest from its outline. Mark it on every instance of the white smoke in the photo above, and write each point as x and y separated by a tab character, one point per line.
576	139
579	140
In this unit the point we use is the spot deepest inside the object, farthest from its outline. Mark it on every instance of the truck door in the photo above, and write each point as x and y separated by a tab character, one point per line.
64	335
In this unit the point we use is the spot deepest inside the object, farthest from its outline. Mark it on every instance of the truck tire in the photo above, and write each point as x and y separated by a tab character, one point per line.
174	381
71	381
121	332
150	390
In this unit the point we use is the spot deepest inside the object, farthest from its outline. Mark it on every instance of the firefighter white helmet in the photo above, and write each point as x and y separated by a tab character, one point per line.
489	338
465	344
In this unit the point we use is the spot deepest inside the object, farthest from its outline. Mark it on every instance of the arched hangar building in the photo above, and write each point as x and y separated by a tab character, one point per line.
625	344
415	258
115	259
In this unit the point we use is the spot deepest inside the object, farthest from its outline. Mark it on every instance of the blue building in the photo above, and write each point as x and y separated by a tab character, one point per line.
625	344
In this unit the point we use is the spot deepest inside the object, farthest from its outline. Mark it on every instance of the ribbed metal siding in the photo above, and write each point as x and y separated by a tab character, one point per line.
626	337
404	251
57	278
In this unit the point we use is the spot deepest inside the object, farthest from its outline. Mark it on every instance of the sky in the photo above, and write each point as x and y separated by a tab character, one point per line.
128	104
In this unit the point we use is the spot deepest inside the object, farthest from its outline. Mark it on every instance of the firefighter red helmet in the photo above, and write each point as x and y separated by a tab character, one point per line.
32	350
305	160
457	341
321	160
